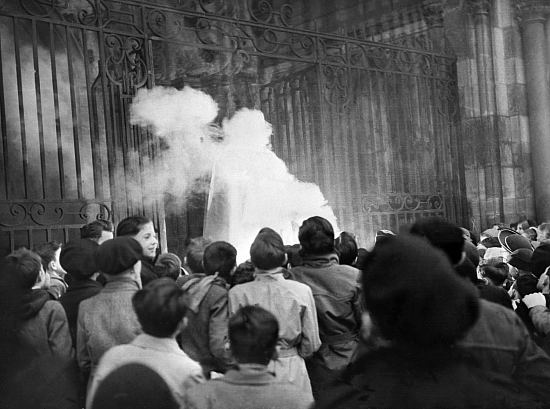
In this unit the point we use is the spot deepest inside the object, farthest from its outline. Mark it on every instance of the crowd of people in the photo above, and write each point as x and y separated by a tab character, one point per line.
431	317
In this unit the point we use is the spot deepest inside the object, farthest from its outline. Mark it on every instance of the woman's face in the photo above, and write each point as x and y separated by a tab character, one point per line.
148	240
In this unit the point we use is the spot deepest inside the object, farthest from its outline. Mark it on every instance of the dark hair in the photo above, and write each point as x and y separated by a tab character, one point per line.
168	265
219	257
159	307
316	236
293	255
497	273
441	234
531	233
46	251
194	254
527	284
244	273
131	226
27	264
94	229
253	334
346	247
267	250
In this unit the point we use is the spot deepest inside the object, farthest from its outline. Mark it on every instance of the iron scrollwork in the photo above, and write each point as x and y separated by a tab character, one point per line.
125	65
15	214
393	203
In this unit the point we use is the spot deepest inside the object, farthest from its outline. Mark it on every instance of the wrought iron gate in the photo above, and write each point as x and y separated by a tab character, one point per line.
375	125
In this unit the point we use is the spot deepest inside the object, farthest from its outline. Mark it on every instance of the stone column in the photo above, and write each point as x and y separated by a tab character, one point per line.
533	15
432	12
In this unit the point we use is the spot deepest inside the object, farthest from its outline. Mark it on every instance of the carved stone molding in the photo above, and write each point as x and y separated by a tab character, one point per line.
432	11
528	11
479	7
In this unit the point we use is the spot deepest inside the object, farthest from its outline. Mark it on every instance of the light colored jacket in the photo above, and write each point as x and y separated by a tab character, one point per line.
293	305
250	387
163	355
105	320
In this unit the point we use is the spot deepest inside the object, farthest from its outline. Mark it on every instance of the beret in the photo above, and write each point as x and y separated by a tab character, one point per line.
117	255
78	258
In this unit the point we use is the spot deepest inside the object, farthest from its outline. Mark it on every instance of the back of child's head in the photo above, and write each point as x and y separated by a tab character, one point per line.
253	334
219	257
495	270
244	273
346	247
93	230
27	264
159	307
168	265
442	234
47	251
316	236
267	250
194	254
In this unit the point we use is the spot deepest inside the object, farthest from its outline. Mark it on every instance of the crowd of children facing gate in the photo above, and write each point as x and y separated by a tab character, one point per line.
430	317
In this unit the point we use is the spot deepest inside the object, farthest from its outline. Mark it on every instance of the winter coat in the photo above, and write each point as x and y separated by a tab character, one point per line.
252	386
336	291
80	290
293	305
499	342
205	337
46	376
105	320
389	378
163	355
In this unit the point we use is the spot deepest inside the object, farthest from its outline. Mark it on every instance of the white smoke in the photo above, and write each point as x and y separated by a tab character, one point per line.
250	186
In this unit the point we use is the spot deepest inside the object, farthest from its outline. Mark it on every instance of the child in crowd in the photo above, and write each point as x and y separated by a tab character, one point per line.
290	302
205	296
160	310
108	319
253	336
49	253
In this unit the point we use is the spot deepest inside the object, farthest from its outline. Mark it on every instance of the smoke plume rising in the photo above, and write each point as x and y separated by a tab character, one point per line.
250	187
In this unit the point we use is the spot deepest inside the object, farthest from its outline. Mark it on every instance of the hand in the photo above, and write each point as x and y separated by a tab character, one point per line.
532	300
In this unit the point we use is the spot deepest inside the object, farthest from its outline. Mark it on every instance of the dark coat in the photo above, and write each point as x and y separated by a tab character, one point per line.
389	378
337	297
45	374
499	343
205	337
79	290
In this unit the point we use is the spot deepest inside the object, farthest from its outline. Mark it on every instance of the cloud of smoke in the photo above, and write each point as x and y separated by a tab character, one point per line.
250	187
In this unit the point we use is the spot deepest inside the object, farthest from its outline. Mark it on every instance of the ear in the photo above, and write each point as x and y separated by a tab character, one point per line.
367	325
233	270
52	266
137	273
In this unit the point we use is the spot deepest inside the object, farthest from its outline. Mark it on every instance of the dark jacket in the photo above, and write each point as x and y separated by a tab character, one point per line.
541	339
205	336
45	376
499	342
148	273
337	296
336	292
389	378
80	290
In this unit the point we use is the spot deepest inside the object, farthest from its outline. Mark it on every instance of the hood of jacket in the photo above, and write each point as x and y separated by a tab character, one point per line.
32	301
196	287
